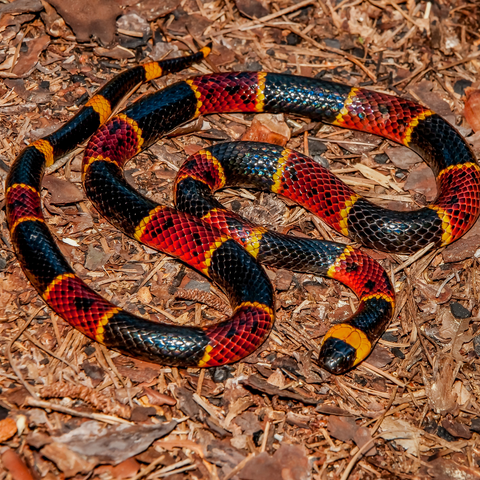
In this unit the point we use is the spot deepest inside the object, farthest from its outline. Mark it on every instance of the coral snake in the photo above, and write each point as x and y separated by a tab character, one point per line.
218	243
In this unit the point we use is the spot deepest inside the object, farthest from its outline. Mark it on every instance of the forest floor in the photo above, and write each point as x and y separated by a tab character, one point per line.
70	408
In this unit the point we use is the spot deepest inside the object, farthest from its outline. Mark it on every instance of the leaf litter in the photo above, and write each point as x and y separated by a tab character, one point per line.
71	409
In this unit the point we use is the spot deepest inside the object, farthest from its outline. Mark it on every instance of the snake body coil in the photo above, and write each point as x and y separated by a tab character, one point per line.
217	242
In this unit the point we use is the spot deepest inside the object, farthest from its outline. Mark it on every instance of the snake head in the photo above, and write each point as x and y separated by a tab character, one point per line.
337	356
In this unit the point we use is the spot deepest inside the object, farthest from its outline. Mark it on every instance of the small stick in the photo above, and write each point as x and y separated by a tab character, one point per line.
382	417
101	417
414	257
29	388
353	461
239	467
200	382
285	11
265	437
376	370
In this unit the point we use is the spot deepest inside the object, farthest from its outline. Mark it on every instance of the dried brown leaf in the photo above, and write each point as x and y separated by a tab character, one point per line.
78	15
113	443
62	191
157	398
288	462
445	469
439	387
342	428
402	433
27	61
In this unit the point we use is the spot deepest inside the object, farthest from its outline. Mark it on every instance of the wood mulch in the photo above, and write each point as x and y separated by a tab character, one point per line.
72	409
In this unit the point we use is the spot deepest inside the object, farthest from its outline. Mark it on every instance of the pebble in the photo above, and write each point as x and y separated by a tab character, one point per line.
475	426
476	344
459	311
460	86
389	337
220	374
398	353
381	158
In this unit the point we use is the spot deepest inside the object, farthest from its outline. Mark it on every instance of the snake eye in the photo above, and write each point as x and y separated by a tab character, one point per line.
337	356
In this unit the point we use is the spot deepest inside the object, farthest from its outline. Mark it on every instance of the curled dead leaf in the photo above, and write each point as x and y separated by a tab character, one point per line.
463	395
270	128
458	330
402	433
439	388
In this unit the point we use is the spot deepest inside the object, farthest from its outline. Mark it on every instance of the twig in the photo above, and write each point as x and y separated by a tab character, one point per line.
33	340
32	402
20	38
421	334
376	370
173	472
266	18
382	417
414	258
239	467
156	462
421	70
459	62
349	57
350	142
29	388
200	382
353	461
397	409
64	160
232	118
444	283
323	7
110	363
404	15
102	361
265	437
354	60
